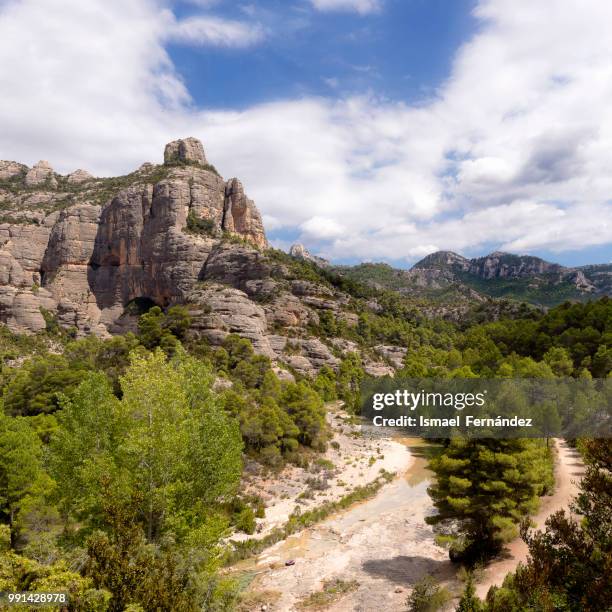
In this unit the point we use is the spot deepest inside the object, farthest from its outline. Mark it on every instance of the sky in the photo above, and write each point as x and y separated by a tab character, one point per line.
368	130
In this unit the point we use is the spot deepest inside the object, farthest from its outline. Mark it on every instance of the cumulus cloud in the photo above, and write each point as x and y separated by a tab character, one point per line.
512	151
363	7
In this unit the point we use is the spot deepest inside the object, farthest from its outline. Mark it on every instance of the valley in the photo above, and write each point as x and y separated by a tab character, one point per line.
180	408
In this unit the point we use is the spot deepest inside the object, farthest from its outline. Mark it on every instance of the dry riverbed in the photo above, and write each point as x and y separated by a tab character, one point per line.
353	459
361	559
369	556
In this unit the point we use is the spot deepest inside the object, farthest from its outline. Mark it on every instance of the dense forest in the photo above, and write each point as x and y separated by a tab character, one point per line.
121	458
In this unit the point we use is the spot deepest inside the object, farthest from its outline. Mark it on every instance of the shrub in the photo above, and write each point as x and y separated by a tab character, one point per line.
199	226
427	596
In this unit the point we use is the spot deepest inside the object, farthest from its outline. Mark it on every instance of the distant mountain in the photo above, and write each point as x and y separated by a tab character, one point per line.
446	275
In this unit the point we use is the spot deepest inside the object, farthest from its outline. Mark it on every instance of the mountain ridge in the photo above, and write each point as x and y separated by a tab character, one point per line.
498	274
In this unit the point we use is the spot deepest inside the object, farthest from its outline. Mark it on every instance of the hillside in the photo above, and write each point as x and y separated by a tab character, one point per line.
448	277
168	380
90	255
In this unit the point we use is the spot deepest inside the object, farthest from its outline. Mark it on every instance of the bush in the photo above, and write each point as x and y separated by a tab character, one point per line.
245	521
199	226
427	596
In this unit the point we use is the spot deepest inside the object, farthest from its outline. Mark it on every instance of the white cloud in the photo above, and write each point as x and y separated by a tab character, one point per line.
322	227
363	7
213	31
514	150
200	3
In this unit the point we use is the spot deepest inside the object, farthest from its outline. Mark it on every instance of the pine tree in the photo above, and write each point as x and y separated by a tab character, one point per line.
20	467
469	602
483	488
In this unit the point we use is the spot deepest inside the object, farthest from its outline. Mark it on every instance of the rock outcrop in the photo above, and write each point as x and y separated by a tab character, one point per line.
79	176
241	216
9	170
189	150
299	251
90	252
85	253
41	174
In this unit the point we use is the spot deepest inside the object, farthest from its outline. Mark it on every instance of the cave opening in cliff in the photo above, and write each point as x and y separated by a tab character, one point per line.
139	306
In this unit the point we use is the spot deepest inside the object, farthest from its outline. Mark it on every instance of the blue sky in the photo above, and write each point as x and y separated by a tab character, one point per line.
369	130
403	52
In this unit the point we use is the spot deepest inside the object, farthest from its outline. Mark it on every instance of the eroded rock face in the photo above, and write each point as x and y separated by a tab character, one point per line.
81	249
241	216
11	169
299	251
86	262
220	310
236	265
79	176
41	174
185	150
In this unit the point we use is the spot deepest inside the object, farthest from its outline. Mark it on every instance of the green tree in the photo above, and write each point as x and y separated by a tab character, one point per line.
569	566
163	330
307	411
177	321
469	602
165	440
36	387
21	468
483	488
559	361
325	384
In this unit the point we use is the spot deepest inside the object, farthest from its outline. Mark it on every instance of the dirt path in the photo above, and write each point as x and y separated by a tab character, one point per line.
568	471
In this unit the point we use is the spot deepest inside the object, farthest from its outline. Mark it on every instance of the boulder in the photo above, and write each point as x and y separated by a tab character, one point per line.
41	174
79	176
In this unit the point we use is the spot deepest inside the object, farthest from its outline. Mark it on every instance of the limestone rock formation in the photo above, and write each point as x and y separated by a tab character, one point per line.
241	216
88	252
41	174
220	310
185	150
10	169
299	251
79	176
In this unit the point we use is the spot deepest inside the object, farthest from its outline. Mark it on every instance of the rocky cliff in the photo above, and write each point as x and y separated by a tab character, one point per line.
89	252
82	248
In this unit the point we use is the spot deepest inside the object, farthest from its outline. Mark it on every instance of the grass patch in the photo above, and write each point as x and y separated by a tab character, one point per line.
255	600
333	591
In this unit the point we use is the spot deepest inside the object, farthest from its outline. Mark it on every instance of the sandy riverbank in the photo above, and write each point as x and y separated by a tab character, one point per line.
354	458
382	546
